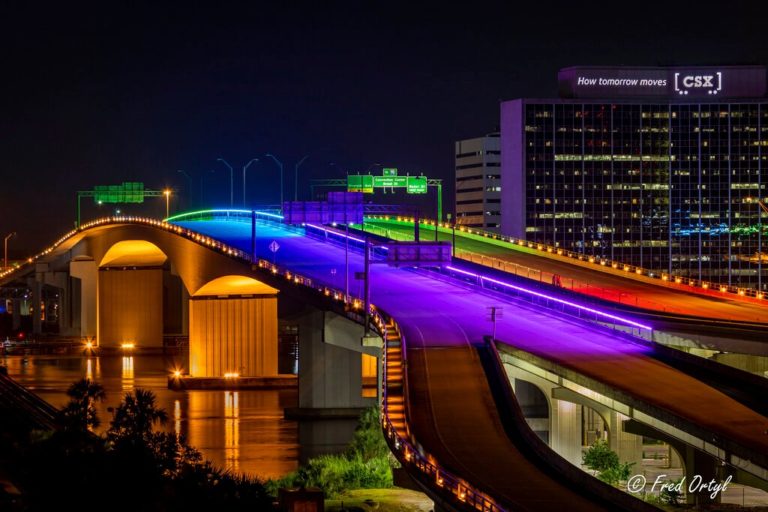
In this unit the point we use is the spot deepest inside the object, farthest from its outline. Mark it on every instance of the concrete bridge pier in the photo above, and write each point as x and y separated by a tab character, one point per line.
36	289
627	445
16	320
331	366
85	274
696	462
336	378
557	422
561	425
233	329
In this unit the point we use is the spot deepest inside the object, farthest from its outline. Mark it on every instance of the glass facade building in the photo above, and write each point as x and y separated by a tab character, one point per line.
673	182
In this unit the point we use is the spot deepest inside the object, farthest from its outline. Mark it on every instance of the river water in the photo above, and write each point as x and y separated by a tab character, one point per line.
243	431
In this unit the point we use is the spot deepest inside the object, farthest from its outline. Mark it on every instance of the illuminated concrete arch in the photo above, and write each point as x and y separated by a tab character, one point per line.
234	285
233	328
134	281
130	253
130	295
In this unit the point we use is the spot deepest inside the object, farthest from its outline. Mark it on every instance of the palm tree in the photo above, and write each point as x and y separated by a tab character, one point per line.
137	415
80	413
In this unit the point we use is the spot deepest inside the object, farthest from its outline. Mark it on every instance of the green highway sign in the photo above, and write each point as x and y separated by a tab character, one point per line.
389	181
360	183
417	185
367	183
127	192
389	171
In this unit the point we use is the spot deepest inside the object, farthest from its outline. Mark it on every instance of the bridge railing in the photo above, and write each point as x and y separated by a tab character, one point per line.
189	234
567	283
403	444
695	285
552	303
423	467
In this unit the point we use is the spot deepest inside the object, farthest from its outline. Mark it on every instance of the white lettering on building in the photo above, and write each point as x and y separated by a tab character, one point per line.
621	82
711	83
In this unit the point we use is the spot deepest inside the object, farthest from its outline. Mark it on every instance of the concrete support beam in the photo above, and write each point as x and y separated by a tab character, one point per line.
344	333
87	272
565	433
627	445
16	314
37	297
562	426
130	307
329	376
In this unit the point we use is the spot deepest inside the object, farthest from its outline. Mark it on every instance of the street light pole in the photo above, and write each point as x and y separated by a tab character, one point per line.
245	168
296	178
5	243
280	165
231	182
167	194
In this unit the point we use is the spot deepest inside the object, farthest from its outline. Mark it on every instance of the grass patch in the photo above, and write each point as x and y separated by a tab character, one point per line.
395	499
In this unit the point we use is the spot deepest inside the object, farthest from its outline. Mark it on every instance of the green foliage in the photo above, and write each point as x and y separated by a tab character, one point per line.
133	468
338	473
366	464
80	413
669	495
599	457
615	474
136	417
368	440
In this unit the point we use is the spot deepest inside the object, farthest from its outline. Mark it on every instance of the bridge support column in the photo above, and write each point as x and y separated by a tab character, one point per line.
565	425
130	307
16	314
696	464
37	299
87	272
233	335
556	421
699	465
627	445
330	376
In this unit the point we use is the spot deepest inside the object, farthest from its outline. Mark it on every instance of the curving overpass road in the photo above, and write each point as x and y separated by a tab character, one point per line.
650	294
452	412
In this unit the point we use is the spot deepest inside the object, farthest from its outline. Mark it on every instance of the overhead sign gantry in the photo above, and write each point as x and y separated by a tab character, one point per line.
126	192
389	179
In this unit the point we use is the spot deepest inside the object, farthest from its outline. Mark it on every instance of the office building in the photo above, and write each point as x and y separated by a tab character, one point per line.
657	167
478	182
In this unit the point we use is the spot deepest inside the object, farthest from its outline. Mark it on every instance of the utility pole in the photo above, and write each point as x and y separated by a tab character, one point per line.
5	243
495	314
245	168
296	178
280	165
367	288
253	237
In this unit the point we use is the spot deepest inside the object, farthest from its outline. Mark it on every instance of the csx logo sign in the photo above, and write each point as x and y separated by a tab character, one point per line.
711	83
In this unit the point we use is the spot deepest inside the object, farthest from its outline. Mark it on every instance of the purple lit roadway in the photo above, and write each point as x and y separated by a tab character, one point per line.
600	284
453	414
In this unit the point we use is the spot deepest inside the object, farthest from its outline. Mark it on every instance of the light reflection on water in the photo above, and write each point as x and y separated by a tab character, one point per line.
242	431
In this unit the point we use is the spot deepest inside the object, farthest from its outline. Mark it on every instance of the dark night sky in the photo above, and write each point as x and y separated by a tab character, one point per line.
124	91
